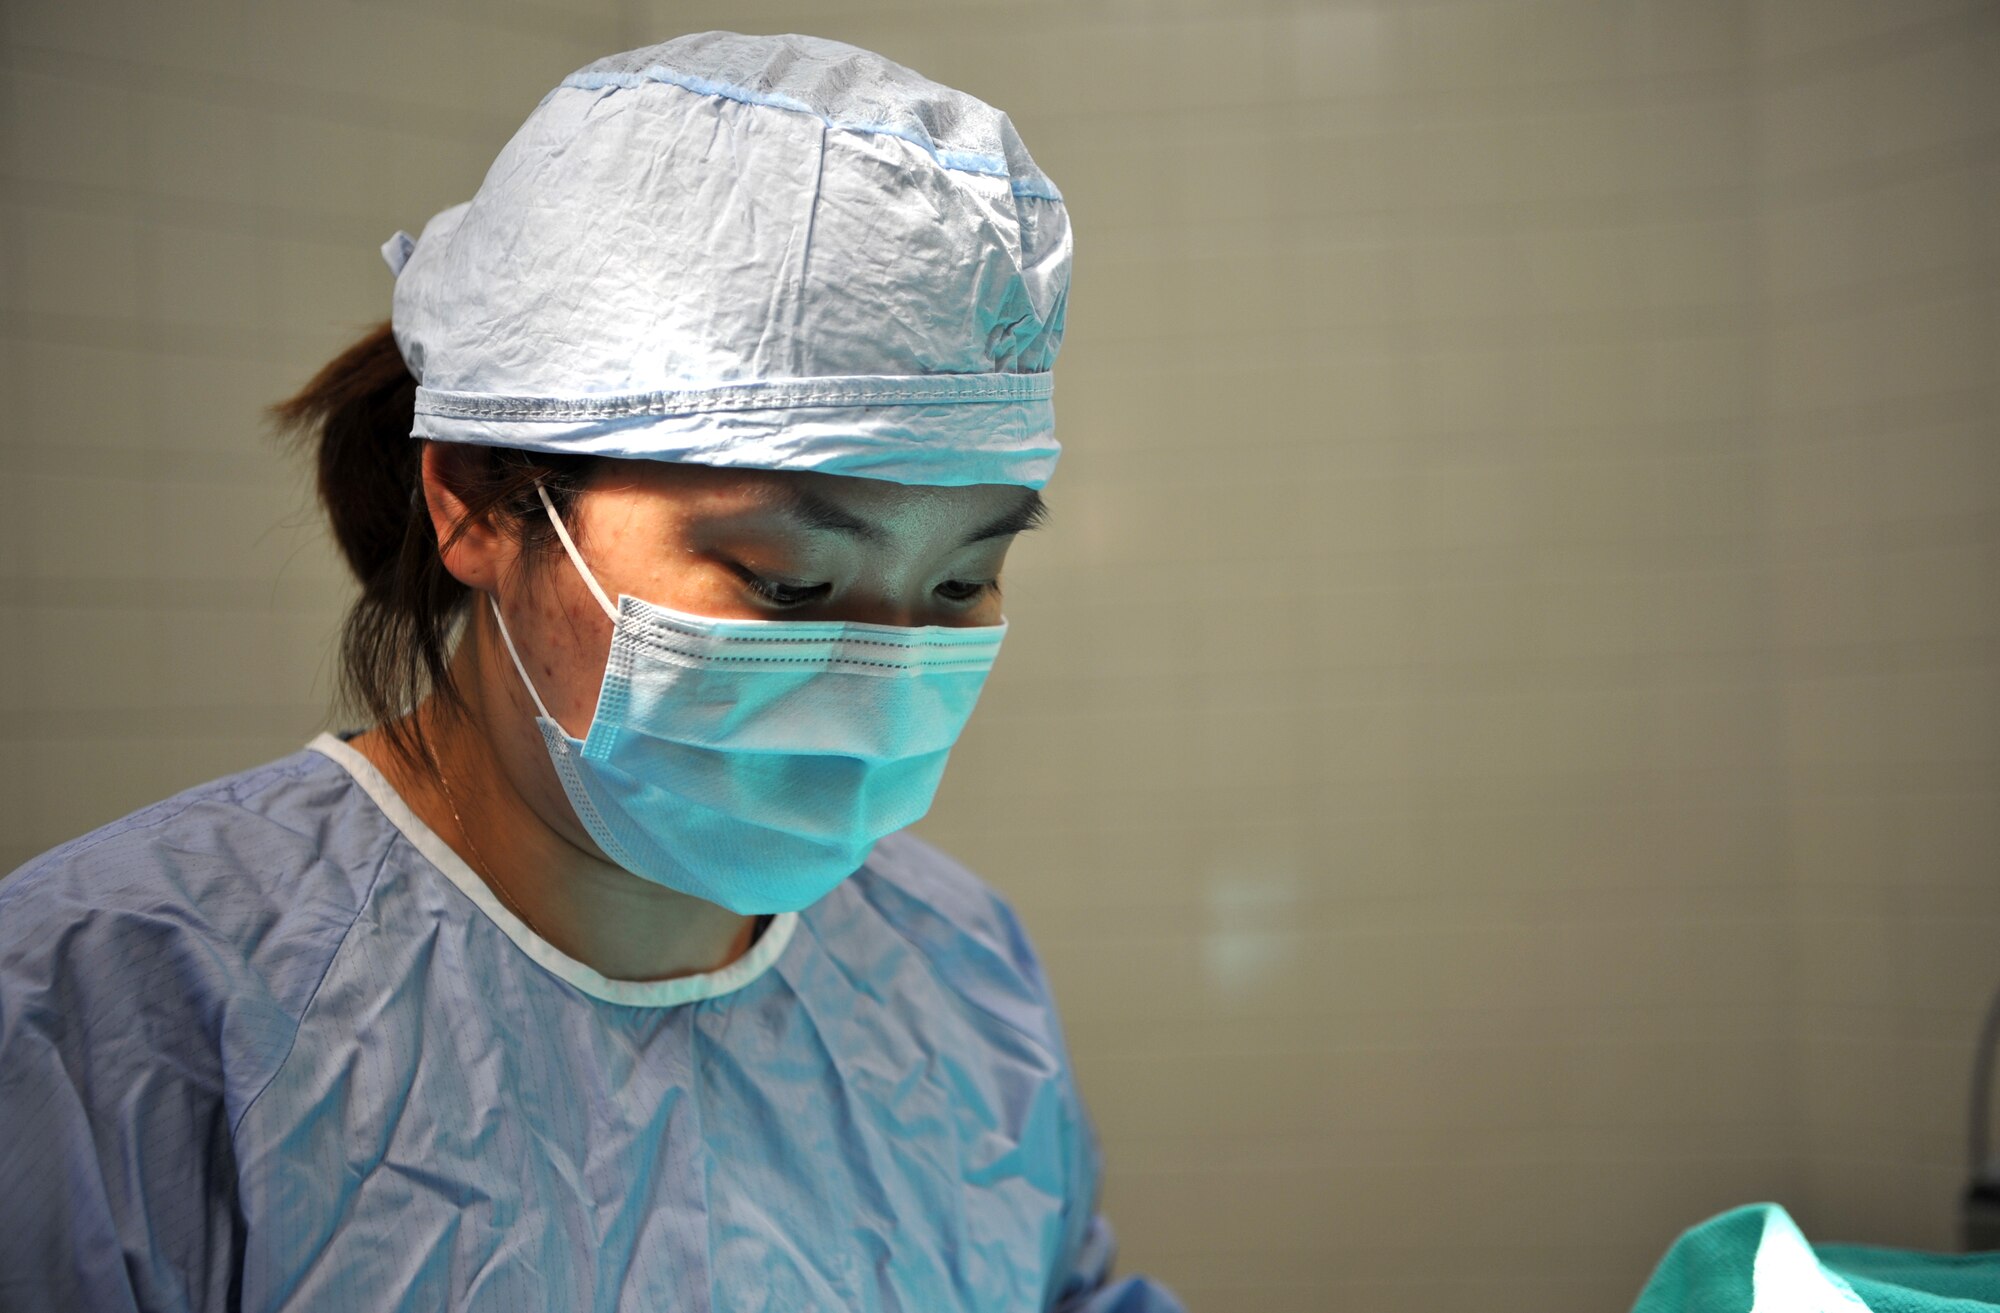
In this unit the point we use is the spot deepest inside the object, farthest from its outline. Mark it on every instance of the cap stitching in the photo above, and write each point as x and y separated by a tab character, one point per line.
943	389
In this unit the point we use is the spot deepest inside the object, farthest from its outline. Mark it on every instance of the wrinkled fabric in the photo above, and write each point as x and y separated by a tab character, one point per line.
268	1044
1754	1259
779	252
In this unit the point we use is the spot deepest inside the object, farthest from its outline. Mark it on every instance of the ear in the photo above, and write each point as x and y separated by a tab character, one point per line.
482	552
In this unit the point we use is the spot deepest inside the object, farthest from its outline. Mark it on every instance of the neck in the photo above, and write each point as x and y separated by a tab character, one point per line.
622	926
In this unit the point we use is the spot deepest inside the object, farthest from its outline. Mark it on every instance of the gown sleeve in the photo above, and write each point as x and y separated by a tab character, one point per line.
1087	1286
1083	1282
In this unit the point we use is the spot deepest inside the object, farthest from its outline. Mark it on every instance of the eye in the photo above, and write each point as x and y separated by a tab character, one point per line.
780	592
963	590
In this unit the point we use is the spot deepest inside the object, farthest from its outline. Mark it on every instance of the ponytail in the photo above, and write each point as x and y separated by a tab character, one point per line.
396	642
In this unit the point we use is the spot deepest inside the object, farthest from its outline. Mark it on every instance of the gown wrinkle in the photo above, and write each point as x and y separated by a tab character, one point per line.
870	1110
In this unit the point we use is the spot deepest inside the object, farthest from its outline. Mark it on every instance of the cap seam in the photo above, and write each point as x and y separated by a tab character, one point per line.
1037	185
928	389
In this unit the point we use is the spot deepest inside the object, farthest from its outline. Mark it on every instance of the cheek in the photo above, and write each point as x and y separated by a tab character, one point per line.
563	638
691	587
990	611
702	587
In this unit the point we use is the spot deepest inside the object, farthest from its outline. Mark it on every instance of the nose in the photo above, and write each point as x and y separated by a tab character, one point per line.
906	609
883	611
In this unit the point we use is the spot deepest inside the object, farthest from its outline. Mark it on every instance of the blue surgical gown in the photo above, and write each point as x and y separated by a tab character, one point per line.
271	1044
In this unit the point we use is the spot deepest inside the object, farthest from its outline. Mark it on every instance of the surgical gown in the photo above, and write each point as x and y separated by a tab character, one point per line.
271	1044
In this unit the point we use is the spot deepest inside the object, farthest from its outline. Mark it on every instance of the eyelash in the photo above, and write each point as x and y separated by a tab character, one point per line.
779	593
979	589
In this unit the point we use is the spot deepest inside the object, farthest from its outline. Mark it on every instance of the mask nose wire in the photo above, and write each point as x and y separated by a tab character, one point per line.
576	558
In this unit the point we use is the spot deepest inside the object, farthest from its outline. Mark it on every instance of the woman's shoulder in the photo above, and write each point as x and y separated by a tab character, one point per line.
152	975
239	886
218	846
970	932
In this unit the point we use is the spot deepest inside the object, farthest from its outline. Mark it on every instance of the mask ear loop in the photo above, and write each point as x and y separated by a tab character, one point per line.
518	667
576	558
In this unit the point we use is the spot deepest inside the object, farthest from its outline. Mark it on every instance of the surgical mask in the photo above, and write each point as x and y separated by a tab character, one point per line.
753	763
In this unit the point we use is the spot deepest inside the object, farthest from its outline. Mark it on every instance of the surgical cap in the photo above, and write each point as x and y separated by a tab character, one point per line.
773	252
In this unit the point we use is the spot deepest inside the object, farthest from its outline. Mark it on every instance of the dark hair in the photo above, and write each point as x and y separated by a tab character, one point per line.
355	418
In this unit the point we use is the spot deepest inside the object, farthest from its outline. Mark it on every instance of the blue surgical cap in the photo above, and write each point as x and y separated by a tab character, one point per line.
771	252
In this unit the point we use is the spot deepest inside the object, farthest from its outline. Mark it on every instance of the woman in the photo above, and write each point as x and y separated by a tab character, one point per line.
596	974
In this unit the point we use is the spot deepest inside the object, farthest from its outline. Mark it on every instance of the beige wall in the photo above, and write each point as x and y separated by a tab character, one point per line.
1500	747
1879	207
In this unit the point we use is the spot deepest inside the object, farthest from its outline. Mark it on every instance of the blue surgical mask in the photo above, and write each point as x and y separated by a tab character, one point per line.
753	763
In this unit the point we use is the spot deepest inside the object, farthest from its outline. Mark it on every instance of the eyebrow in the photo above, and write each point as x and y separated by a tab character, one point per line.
1031	512
818	512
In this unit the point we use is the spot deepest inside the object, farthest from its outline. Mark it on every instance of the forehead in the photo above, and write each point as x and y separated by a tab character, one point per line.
817	502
